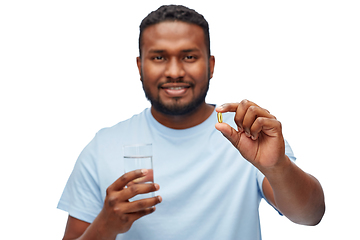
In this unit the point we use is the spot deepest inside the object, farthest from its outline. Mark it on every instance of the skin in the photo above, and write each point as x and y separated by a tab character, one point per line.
175	69
174	54
296	194
118	214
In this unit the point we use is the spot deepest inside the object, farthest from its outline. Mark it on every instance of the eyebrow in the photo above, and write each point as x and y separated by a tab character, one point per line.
184	51
190	50
156	51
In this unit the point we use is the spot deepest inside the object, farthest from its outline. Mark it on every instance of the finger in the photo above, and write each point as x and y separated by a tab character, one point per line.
143	204
227	107
252	113
241	110
233	107
127	219
136	215
270	127
149	177
143	207
122	181
230	133
137	189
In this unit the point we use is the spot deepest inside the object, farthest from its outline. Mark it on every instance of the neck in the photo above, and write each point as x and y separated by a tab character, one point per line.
184	121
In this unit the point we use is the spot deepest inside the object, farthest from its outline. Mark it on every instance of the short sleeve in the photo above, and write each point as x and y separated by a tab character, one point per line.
260	176
81	197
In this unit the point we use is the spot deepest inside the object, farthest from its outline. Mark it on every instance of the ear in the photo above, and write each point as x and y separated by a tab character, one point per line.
138	62
211	66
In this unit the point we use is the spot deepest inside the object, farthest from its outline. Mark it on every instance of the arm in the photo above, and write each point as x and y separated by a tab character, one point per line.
296	194
74	228
118	214
259	139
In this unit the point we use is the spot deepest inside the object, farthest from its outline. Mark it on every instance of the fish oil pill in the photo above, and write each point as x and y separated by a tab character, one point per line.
219	116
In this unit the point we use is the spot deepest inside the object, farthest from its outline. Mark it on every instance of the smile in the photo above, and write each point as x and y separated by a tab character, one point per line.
175	89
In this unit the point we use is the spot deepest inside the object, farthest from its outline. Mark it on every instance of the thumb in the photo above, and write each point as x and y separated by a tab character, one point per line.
230	133
149	177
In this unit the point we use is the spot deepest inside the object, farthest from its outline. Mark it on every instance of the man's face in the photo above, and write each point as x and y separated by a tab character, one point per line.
175	67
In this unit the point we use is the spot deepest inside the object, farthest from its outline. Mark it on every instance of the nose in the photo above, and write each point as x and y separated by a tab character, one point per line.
175	69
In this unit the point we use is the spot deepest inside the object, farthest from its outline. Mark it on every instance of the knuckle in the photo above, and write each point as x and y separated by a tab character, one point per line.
124	178
141	204
112	200
118	210
134	189
261	120
124	218
253	109
244	102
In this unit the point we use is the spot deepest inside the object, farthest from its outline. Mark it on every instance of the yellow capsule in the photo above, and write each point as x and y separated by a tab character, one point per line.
219	116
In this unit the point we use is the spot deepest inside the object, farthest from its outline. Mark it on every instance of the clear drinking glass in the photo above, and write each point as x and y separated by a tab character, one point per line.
139	156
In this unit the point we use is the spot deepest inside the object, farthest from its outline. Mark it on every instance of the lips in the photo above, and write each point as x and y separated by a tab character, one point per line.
175	89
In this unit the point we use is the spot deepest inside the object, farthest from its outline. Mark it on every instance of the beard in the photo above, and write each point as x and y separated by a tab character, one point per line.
175	108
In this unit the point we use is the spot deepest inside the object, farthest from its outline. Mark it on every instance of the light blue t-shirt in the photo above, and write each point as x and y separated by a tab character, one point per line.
209	190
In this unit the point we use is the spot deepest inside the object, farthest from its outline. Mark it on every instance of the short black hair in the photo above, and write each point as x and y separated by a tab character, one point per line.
175	13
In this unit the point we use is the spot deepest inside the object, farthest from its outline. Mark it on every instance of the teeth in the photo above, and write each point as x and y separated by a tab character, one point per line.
176	88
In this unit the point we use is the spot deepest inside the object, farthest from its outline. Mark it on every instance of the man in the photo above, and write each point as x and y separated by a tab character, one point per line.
211	186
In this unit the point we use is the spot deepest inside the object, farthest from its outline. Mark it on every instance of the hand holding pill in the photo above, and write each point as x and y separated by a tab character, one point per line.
259	135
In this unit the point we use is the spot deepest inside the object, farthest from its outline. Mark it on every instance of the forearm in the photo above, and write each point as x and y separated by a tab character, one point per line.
80	230
97	231
296	194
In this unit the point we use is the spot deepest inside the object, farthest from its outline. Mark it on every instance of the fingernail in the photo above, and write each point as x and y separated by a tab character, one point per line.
160	199
157	187
144	171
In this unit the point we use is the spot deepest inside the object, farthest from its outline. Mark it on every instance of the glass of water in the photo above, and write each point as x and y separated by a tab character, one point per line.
139	156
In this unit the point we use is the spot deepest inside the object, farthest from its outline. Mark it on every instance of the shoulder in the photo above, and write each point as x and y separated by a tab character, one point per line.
122	127
133	130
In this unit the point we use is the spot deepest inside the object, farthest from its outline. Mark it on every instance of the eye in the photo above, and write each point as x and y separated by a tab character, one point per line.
158	58
190	58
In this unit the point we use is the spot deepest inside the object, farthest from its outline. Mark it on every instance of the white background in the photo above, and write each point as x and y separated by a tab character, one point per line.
67	69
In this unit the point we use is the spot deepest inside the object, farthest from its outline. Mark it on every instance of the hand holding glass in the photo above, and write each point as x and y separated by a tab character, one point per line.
139	156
